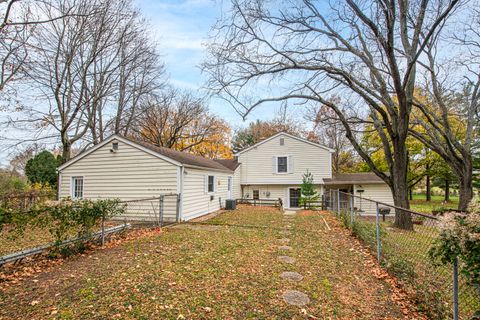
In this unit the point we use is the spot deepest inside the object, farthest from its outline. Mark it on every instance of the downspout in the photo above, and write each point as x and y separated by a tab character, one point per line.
59	183
182	176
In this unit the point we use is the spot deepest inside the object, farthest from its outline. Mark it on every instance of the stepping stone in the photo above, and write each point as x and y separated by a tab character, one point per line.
294	276
295	298
286	259
288	226
290	213
285	248
284	240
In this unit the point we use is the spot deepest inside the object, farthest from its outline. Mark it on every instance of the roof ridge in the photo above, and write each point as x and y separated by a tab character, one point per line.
180	156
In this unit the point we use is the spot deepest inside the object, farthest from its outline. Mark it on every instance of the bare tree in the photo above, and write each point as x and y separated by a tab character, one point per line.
329	131
448	103
138	75
92	68
175	120
365	51
18	20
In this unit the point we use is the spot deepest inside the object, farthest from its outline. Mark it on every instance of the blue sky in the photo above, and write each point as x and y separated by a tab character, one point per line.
181	29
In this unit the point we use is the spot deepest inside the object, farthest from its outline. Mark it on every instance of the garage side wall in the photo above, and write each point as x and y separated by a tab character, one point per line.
197	201
128	174
377	192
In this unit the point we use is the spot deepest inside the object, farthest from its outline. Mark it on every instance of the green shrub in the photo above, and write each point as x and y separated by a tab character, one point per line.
63	217
460	237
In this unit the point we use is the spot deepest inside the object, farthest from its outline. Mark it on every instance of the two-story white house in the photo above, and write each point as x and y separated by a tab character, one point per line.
271	169
274	167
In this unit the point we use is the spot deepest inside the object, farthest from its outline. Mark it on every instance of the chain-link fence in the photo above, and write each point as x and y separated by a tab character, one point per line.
440	291
159	211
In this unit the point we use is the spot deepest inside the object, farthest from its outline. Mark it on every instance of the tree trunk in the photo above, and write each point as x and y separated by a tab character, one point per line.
447	190
403	220
428	191
465	192
410	196
66	152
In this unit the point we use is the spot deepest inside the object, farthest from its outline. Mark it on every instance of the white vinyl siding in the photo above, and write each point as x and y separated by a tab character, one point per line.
127	174
257	168
197	203
379	192
237	188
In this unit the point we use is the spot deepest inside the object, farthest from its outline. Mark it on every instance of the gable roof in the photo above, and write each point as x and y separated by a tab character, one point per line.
353	178
287	135
185	158
177	158
231	164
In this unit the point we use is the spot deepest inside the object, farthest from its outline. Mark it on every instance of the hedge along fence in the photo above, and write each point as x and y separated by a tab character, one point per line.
27	199
62	218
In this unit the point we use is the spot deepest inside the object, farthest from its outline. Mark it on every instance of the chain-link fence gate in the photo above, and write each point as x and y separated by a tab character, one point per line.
159	211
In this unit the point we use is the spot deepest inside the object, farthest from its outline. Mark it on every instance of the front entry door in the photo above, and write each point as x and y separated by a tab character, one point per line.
294	197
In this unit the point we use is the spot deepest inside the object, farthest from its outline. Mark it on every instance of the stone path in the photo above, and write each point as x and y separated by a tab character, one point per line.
292	297
295	298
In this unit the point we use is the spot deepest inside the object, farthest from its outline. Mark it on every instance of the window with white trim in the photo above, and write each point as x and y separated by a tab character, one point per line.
77	187
211	184
282	164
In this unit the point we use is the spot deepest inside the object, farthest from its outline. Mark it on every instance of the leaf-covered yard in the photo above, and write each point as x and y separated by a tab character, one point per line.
224	268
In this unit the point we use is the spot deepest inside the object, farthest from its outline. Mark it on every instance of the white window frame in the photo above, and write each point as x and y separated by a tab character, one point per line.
276	164
73	187
208	184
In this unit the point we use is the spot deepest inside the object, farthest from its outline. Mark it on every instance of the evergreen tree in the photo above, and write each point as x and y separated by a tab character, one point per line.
309	194
43	168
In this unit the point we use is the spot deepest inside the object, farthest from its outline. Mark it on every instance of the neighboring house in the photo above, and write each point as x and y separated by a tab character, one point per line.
271	169
274	167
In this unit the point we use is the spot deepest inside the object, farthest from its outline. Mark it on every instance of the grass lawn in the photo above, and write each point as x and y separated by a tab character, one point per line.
226	268
419	203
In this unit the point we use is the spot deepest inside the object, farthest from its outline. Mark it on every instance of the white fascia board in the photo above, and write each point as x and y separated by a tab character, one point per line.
119	138
288	135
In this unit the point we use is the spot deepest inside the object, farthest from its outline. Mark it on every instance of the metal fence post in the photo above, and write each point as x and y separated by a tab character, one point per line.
177	209
160	213
338	201
378	232
103	230
455	289
351	210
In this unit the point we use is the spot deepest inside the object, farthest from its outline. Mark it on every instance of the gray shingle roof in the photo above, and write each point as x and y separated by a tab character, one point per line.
183	157
231	164
350	178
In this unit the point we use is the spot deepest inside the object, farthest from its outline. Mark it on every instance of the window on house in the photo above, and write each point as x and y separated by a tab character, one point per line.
256	195
282	141
282	164
211	184
77	187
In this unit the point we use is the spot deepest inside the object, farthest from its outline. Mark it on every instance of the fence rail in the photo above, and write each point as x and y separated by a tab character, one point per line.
25	200
439	290
99	236
160	210
261	202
